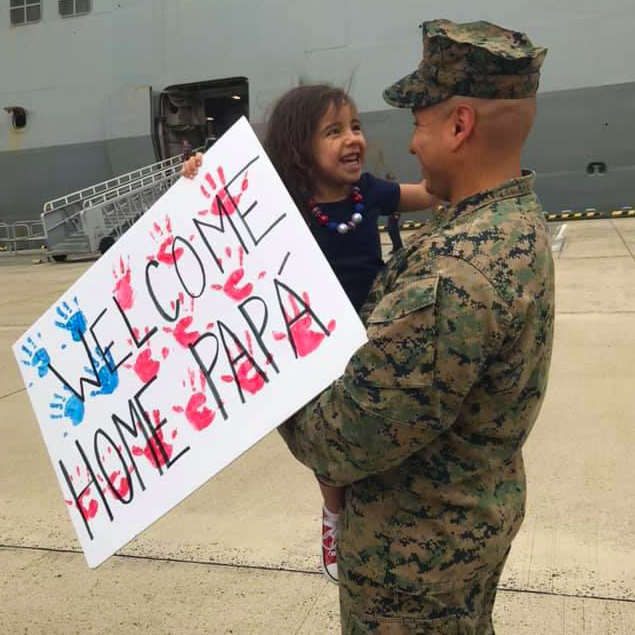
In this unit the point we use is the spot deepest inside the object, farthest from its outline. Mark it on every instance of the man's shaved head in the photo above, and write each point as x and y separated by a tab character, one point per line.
465	143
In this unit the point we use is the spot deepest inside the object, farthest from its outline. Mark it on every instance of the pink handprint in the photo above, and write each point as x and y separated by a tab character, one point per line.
249	378
123	488
152	451
222	197
123	291
196	411
88	508
305	339
231	287
182	332
145	366
165	240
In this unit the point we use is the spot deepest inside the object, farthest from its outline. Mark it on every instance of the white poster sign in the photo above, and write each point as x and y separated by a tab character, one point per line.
209	323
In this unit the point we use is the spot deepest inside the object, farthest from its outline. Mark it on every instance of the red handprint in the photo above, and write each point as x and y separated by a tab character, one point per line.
229	202
88	510
152	451
123	489
124	485
249	378
145	366
123	291
181	331
304	338
91	510
231	288
164	254
196	412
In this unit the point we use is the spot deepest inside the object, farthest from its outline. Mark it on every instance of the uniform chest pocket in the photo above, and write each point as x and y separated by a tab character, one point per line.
402	335
408	298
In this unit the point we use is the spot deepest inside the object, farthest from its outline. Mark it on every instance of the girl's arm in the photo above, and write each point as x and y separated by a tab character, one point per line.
414	197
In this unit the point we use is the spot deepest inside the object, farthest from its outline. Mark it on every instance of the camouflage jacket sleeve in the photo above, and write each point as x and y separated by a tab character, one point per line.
430	337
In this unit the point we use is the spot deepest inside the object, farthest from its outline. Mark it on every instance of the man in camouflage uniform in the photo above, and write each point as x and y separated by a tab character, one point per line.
425	427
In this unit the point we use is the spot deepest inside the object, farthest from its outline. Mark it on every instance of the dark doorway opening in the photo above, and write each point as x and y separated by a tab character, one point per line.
198	113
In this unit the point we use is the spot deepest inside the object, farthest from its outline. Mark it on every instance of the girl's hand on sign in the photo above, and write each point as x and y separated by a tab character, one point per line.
191	166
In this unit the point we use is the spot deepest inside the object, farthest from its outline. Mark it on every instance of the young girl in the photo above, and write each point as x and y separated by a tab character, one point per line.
315	141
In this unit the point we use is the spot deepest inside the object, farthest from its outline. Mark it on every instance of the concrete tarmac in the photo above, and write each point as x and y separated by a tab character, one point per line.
240	555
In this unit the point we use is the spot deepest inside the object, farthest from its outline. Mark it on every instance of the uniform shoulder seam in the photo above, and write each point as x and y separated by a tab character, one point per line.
492	284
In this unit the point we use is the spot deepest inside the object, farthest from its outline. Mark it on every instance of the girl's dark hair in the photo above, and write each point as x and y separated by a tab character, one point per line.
289	134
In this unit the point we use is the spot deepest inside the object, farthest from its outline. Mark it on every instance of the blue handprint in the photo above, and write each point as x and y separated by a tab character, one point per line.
73	319
71	406
36	356
67	407
109	379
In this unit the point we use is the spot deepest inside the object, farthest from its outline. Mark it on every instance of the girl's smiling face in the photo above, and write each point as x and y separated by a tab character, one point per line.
338	148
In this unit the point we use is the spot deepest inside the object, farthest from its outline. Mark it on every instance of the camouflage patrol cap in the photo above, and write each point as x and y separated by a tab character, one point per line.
475	59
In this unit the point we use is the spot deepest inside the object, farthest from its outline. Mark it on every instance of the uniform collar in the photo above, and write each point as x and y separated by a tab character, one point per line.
521	186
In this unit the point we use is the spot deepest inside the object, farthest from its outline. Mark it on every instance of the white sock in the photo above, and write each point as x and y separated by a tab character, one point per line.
332	517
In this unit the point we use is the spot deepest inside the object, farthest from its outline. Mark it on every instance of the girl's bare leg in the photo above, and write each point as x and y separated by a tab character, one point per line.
333	497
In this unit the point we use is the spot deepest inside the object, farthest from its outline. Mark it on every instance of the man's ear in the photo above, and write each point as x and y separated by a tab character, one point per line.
462	122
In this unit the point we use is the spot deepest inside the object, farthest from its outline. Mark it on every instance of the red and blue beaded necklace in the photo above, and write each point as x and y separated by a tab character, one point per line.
342	228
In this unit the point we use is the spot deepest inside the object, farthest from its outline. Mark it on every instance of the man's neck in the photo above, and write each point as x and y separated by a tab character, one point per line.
484	179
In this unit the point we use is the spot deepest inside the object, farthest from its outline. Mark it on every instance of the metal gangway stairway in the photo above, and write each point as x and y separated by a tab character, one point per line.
92	219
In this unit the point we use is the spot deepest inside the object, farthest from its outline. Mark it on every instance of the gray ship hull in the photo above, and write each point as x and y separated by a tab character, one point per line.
573	130
107	92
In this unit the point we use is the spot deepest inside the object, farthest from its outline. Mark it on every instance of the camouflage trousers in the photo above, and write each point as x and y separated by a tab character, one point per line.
367	607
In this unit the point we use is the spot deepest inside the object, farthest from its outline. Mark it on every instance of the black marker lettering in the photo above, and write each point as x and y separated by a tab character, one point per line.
132	429
200	226
258	332
306	310
104	351
133	332
243	353
169	462
207	369
96	382
178	271
77	496
166	316
111	485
